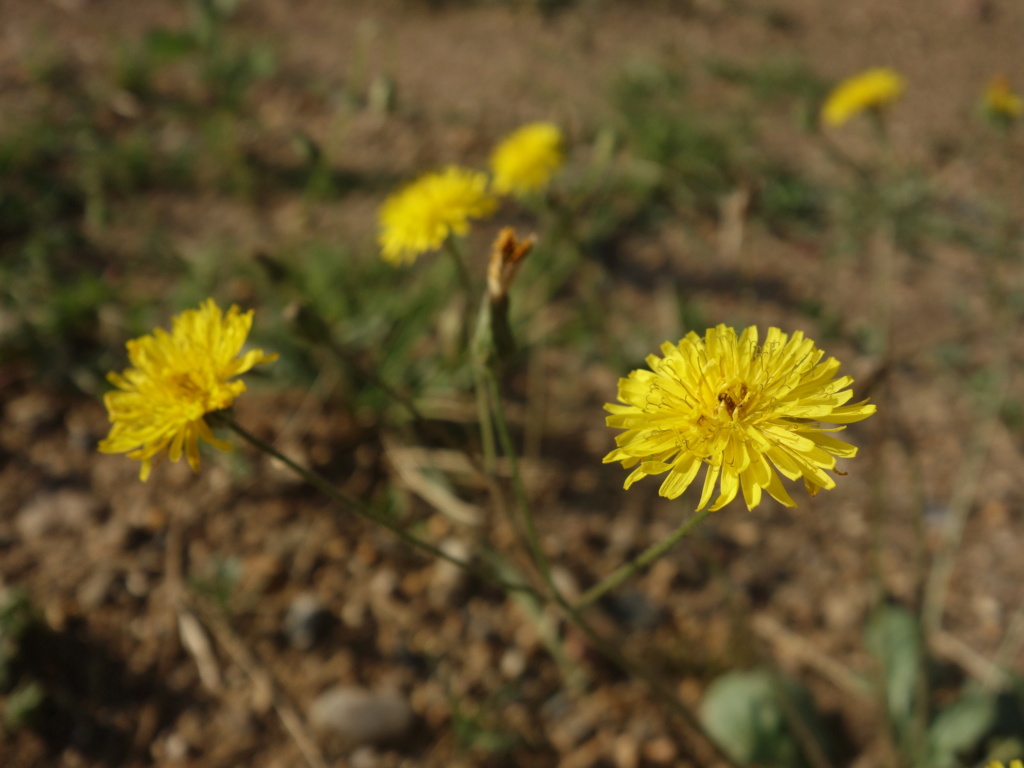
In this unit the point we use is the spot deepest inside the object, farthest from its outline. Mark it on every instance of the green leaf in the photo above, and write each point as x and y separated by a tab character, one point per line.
165	45
24	706
958	729
893	637
746	714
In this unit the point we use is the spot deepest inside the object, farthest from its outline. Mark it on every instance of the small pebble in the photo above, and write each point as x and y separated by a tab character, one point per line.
96	590
359	717
512	664
627	752
660	751
364	757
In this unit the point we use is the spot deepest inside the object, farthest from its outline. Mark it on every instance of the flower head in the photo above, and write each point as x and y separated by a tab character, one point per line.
175	379
746	411
1013	764
1000	104
419	217
526	159
870	90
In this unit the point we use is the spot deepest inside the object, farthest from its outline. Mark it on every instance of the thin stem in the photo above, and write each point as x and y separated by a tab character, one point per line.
374	379
608	649
342	498
486	424
460	266
649	555
532	535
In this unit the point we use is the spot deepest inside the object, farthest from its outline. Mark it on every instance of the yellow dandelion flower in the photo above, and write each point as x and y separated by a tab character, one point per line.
1013	764
526	159
1000	103
746	411
870	90
175	379
421	216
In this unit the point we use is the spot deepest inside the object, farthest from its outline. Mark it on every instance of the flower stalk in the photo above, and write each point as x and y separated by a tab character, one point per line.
350	502
643	560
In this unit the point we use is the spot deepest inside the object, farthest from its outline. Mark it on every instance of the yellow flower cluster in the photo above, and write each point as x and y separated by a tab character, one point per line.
177	378
422	215
1013	764
745	411
524	162
870	90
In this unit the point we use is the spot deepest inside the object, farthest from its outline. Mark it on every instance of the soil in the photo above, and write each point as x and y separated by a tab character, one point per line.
147	662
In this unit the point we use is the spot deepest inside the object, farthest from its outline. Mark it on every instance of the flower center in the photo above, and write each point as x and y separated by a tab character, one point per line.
199	395
731	400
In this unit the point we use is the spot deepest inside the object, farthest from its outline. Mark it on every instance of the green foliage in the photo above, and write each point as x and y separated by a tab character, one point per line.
693	159
25	697
696	161
775	79
788	203
957	730
893	637
16	620
947	736
751	715
24	707
220	582
478	726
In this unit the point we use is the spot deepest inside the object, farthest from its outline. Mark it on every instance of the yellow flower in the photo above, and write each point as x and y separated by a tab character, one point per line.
870	90
1000	102
526	159
1013	764
745	411
176	379
422	215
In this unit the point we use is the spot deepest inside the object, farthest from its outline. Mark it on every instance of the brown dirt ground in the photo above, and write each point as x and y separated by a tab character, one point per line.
102	555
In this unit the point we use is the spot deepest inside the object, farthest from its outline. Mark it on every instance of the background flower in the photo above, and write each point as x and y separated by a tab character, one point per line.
175	380
419	217
526	159
1000	103
745	411
873	89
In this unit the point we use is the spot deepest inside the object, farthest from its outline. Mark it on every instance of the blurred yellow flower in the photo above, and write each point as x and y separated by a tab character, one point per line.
526	159
422	215
1013	764
745	411
870	90
175	379
1000	103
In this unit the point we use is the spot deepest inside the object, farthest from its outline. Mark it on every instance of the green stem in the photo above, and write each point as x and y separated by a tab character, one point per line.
649	555
374	380
460	267
608	649
342	498
486	424
532	535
